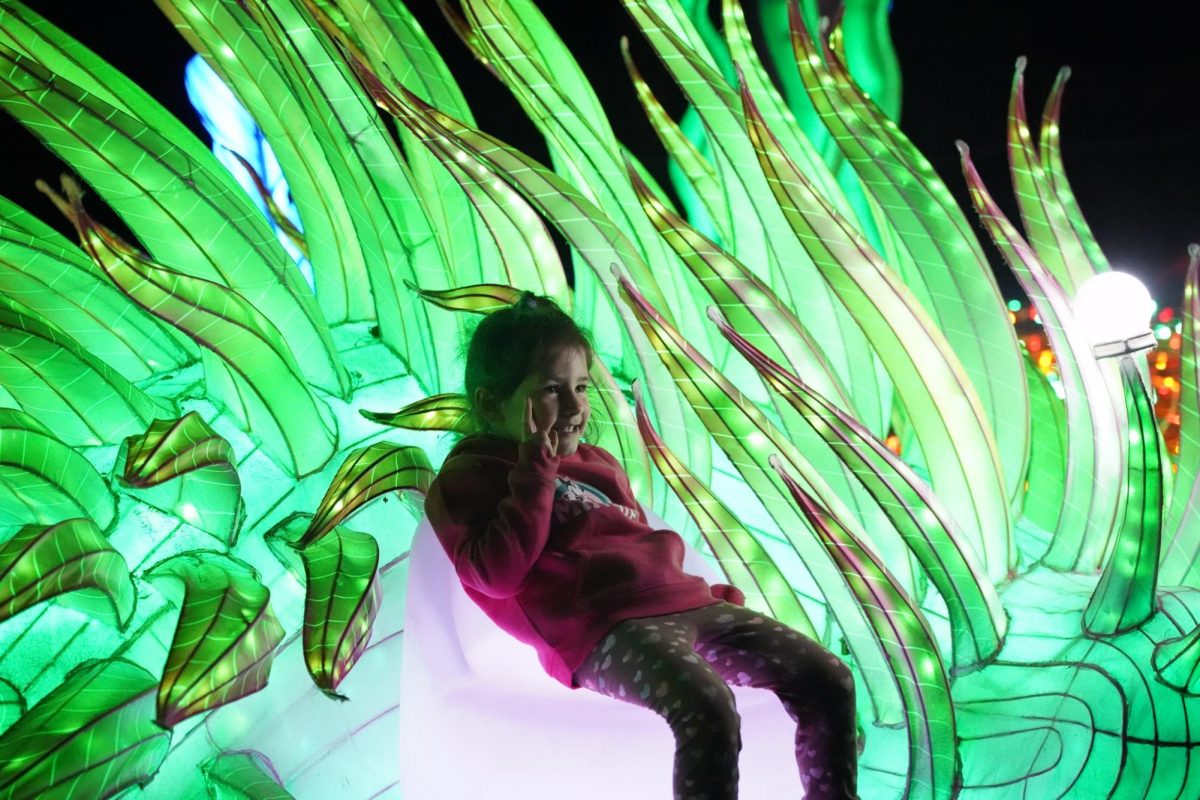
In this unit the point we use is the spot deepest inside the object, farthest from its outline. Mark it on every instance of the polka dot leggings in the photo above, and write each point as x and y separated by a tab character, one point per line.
680	666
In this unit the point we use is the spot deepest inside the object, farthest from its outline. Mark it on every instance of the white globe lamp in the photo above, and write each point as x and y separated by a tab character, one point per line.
1114	310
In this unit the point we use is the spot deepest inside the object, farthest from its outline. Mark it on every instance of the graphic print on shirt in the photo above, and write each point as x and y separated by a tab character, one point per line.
572	498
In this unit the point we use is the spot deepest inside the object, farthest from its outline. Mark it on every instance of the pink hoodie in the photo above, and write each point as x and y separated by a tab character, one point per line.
555	549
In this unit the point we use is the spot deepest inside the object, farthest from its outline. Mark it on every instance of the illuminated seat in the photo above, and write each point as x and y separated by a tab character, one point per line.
479	718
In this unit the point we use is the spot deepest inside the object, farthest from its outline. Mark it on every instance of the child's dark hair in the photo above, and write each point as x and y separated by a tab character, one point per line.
507	344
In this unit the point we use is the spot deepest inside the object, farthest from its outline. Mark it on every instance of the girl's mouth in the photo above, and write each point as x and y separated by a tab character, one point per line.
568	429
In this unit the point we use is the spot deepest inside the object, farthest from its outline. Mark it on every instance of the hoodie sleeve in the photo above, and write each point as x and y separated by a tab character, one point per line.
494	540
728	593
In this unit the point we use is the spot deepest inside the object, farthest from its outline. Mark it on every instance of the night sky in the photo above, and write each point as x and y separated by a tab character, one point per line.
1130	121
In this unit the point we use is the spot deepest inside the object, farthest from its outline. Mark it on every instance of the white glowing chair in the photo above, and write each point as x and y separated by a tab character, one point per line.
480	719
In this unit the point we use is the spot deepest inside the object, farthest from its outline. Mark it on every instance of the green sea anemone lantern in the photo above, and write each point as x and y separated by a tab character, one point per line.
1113	308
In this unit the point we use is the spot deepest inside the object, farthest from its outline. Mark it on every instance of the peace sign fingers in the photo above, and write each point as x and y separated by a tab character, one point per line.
547	435
530	426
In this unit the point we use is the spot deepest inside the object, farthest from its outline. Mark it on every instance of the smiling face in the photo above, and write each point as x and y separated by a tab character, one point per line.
558	387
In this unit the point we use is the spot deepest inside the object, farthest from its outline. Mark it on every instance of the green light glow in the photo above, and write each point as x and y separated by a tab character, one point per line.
210	474
1126	594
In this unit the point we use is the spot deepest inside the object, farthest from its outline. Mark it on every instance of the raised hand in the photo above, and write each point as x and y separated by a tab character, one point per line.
536	432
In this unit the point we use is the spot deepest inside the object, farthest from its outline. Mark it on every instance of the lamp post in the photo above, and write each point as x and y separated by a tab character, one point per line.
1114	309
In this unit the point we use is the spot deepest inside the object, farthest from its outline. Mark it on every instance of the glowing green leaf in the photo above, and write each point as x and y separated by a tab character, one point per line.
479	298
700	174
526	256
946	413
761	313
977	620
257	377
22	29
225	639
259	80
340	601
93	736
488	233
744	561
758	235
938	255
242	775
1047	478
904	635
748	438
873	76
368	473
751	305
164	184
391	38
392	224
614	428
524	253
442	412
775	111
1048	227
586	228
44	481
486	236
294	234
184	468
531	59
40	562
583	225
762	238
528	34
1091	494
43	271
56	379
1125	596
1050	151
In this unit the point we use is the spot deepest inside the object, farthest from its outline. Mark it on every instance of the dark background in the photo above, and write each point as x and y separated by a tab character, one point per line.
1130	119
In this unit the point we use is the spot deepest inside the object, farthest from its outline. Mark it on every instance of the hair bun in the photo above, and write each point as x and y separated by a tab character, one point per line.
527	300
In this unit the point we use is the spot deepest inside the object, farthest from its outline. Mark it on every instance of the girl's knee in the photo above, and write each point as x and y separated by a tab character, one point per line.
839	677
826	678
709	706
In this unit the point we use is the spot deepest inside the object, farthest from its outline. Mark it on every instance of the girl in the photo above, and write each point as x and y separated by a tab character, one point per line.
548	539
